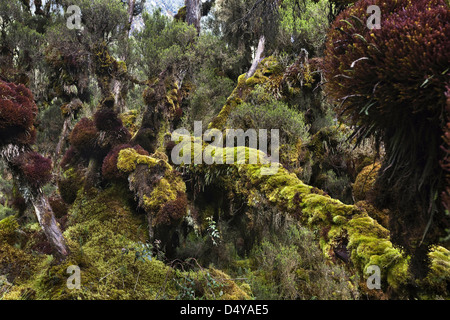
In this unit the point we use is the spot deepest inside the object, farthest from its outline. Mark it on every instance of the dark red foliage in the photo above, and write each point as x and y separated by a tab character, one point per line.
40	243
141	150
109	167
83	136
19	203
400	64
17	114
69	157
36	169
107	120
178	113
119	136
172	211
391	83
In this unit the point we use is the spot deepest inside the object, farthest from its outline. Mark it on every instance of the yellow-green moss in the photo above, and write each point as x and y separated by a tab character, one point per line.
267	67
212	284
162	193
129	158
107	241
8	227
129	121
365	238
104	235
365	181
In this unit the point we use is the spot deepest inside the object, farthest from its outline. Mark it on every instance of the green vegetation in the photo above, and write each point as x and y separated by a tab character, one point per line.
88	178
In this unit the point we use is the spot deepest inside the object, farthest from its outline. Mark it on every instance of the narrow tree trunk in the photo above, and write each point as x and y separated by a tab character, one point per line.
130	14
151	232
47	221
91	177
257	58
119	89
194	13
44	212
62	137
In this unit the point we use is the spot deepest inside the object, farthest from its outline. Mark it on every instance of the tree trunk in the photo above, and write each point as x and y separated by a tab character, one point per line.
194	13
119	89
257	58
44	212
119	92
130	14
47	221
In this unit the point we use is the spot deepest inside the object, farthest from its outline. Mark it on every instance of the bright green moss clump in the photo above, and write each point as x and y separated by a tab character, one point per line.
109	242
129	158
8	226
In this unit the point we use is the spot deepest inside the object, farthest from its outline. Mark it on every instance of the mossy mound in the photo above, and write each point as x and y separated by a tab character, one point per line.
109	243
365	182
157	186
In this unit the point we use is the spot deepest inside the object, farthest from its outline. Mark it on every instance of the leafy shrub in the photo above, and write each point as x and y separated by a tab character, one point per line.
163	43
291	266
304	26
210	94
106	120
264	112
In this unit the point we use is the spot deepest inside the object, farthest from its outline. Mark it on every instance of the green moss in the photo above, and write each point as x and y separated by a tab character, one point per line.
129	121
162	193
340	220
366	240
104	235
181	14
8	227
365	181
69	183
267	67
210	284
129	158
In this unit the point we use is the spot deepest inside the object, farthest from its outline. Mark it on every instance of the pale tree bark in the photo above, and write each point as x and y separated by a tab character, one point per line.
257	58
119	89
43	210
47	221
71	110
194	13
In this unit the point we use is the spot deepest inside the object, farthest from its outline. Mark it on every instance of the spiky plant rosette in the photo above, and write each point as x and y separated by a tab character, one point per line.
36	169
390	83
403	64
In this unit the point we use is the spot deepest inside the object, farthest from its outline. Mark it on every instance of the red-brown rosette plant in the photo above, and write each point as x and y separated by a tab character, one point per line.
390	83
30	169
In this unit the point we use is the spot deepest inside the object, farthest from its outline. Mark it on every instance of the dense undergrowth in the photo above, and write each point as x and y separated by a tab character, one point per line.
140	225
